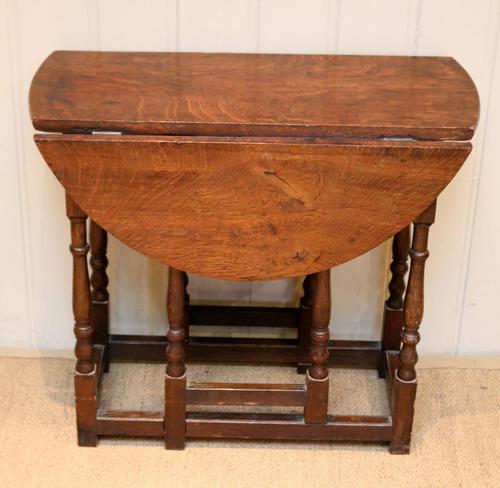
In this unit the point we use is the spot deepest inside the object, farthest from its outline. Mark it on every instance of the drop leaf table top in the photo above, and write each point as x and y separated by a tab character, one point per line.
266	95
252	166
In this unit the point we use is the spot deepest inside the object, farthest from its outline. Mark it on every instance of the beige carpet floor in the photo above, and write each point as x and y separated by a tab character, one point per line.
456	440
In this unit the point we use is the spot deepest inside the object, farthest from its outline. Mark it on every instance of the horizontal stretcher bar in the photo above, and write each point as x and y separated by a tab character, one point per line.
289	395
248	426
223	315
360	354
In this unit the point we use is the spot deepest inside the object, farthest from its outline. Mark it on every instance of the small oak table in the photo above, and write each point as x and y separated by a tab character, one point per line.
251	167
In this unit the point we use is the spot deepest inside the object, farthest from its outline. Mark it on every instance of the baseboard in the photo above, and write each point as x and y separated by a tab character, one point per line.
459	362
16	352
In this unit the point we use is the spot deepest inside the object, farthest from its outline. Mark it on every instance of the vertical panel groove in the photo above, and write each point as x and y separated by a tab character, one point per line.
93	24
338	13
14	56
414	11
177	24
258	25
332	26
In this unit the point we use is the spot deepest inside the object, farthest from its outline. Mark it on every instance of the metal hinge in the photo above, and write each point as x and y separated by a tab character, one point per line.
106	133
397	138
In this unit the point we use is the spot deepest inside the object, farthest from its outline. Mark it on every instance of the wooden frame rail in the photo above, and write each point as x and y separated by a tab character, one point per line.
261	394
262	426
360	354
222	315
255	426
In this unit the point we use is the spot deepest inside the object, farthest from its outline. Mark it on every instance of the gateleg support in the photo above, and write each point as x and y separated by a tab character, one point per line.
317	381
393	310
405	379
304	328
85	369
99	311
175	377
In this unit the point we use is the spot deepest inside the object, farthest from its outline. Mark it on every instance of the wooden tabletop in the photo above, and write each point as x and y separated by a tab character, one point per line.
265	95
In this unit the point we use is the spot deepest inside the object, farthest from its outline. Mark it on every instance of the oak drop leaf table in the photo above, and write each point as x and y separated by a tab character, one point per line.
251	167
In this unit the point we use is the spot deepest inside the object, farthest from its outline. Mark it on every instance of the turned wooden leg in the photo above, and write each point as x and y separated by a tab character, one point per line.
99	311
175	378
304	331
393	311
316	408
85	370
405	381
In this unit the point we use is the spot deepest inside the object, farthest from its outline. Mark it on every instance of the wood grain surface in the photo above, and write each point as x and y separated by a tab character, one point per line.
250	209
254	95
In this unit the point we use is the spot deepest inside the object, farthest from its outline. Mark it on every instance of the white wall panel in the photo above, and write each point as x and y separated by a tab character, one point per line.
467	31
39	28
137	292
358	294
138	25
217	25
378	26
480	327
295	26
14	304
464	240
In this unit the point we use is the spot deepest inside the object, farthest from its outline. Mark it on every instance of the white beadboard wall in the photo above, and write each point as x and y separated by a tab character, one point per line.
463	279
